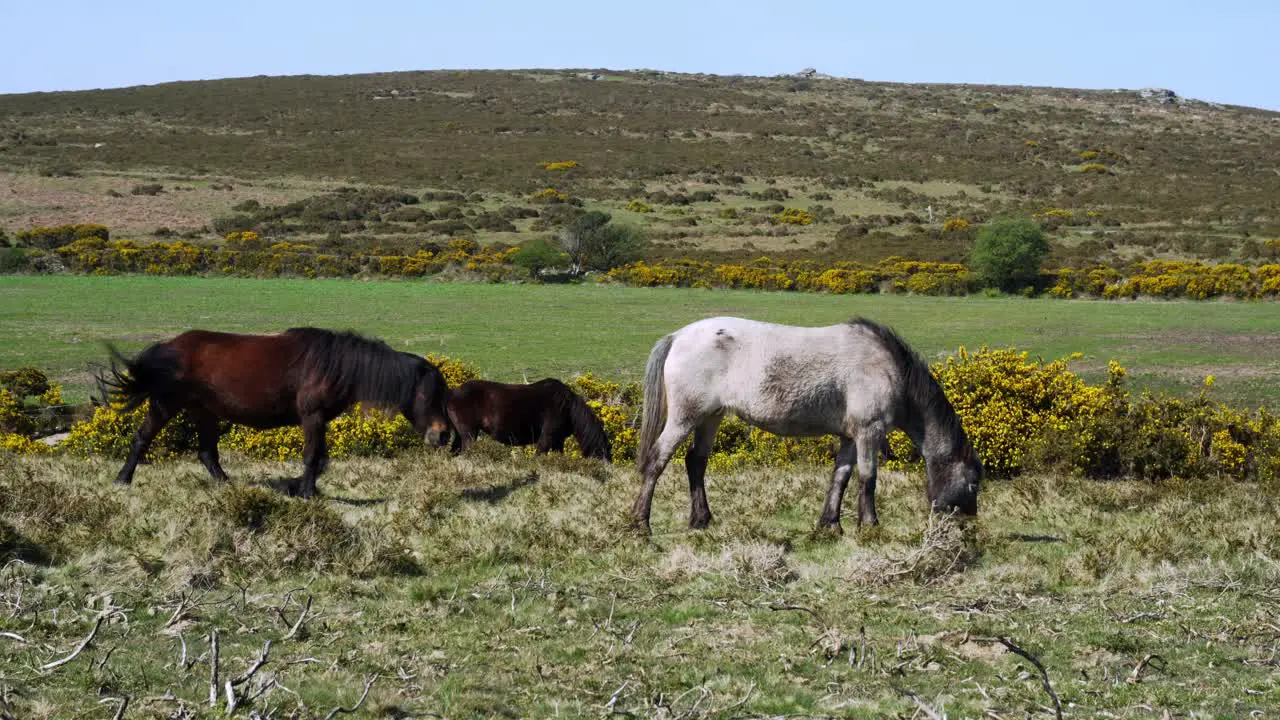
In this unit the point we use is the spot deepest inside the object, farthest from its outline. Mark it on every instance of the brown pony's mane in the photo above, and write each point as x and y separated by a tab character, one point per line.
359	368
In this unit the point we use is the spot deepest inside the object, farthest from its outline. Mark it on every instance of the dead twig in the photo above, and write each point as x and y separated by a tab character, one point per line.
14	636
1044	674
213	667
1149	660
341	710
97	623
124	705
298	625
233	699
924	707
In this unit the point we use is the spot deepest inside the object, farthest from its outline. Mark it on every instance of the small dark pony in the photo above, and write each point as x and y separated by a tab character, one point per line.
546	412
303	376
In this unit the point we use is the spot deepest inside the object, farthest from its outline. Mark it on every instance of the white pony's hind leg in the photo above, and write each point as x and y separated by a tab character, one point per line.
846	456
695	462
673	433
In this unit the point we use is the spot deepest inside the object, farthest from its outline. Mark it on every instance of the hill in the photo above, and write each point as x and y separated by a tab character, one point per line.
1151	171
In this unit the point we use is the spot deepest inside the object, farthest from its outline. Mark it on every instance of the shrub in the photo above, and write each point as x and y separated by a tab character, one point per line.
794	216
548	196
1009	252
560	166
1096	168
48	238
408	213
538	256
639	207
592	242
147	189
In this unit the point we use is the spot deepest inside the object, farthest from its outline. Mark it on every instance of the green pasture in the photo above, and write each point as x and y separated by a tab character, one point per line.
514	332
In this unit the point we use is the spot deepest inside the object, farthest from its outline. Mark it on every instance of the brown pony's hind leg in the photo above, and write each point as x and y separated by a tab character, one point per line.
315	454
846	456
695	463
158	413
207	429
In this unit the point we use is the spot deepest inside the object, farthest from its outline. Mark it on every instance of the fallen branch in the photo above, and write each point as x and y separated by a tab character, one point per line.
341	710
1150	660
298	625
213	667
124	705
97	623
924	707
14	636
233	700
1044	674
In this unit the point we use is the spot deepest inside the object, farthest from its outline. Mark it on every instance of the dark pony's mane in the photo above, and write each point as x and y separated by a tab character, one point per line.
359	368
920	389
587	428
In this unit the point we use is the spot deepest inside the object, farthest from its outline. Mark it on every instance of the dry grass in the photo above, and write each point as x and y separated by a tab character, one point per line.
495	584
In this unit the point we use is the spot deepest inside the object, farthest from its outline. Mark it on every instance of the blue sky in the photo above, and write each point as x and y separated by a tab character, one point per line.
1222	51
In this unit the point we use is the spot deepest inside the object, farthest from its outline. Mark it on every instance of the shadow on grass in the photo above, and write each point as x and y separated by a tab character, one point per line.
494	494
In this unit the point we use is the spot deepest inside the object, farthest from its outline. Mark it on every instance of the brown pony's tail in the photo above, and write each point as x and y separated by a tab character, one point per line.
133	384
655	401
587	428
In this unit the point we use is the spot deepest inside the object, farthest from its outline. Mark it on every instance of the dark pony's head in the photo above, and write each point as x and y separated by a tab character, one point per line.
358	369
588	430
427	409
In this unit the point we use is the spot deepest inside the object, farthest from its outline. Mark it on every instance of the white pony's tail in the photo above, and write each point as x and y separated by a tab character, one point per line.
655	401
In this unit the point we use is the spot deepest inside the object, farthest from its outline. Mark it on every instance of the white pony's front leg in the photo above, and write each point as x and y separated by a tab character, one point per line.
845	458
869	442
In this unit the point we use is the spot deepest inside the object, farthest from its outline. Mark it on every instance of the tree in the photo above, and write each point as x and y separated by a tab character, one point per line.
1009	252
538	256
591	242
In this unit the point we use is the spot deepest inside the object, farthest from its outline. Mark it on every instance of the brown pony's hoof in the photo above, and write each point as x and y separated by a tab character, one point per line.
122	481
828	531
640	527
699	522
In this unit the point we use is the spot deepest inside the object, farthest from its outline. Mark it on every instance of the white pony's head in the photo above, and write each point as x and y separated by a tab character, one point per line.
954	481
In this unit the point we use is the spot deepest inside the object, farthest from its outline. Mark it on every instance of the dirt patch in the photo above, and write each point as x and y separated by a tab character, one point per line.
28	201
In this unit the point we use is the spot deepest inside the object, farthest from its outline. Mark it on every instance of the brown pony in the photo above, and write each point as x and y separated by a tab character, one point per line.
303	376
546	412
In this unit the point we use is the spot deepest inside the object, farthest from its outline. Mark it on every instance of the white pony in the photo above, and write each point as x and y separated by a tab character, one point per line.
857	380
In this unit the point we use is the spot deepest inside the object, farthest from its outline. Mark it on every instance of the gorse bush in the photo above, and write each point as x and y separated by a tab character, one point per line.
560	166
47	238
1021	414
30	405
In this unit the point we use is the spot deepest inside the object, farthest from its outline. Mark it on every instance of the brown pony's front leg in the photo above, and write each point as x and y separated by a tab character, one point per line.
315	454
207	429
157	415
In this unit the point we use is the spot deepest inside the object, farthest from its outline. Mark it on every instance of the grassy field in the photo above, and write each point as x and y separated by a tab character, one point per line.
491	586
512	332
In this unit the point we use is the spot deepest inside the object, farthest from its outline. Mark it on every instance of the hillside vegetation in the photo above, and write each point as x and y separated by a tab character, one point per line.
878	167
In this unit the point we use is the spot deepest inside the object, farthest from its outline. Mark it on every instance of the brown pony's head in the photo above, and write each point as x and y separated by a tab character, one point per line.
427	409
